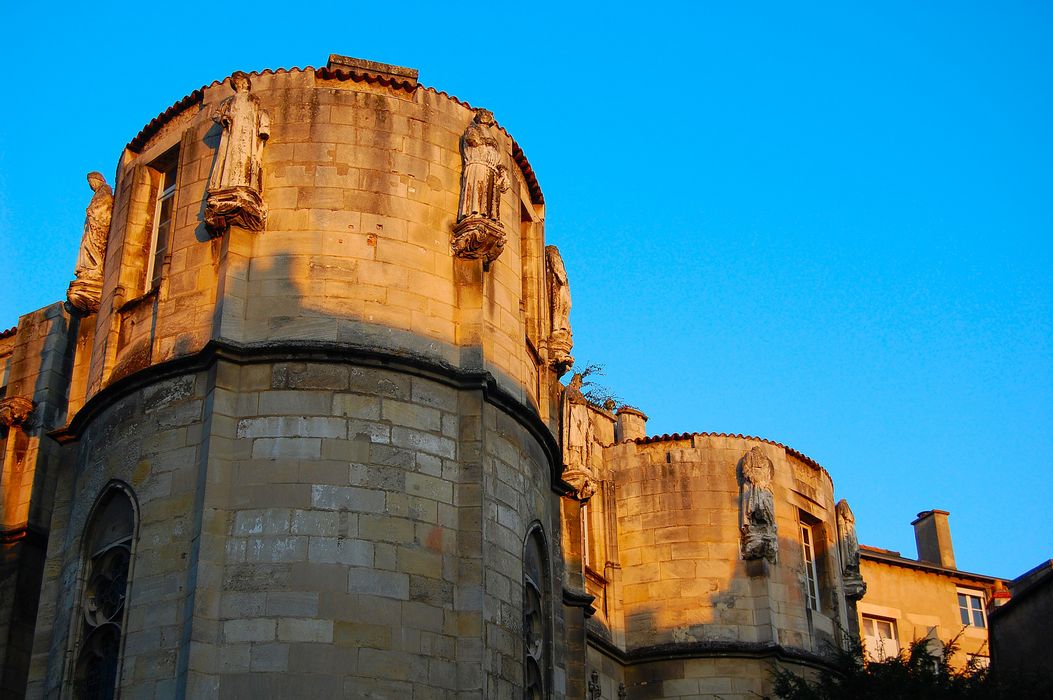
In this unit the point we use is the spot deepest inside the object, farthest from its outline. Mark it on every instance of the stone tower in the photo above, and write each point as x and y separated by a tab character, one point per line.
299	431
311	442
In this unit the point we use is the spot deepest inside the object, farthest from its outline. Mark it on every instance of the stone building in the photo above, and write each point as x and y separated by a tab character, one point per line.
299	430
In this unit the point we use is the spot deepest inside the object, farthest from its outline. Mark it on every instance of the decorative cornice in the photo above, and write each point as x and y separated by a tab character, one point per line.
704	650
322	351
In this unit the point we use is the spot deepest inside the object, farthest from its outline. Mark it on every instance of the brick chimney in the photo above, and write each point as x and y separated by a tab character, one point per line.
632	424
933	535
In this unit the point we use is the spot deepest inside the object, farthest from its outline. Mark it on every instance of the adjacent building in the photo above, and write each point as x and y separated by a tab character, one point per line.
927	598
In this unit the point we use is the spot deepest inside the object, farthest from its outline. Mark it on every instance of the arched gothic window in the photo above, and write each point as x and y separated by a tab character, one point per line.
107	561
536	607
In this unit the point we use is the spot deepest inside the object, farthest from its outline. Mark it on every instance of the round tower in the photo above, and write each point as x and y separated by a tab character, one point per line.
314	400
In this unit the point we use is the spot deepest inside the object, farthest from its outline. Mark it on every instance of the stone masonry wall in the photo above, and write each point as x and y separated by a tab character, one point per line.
682	580
312	529
362	185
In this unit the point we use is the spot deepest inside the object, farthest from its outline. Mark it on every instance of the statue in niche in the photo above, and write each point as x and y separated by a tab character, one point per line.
15	411
235	186
759	535
855	586
577	437
560	339
478	232
85	292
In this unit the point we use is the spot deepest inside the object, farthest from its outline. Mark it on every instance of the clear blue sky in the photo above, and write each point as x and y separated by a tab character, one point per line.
827	224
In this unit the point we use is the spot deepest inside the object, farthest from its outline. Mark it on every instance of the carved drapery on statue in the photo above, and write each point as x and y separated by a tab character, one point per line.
576	438
85	292
478	232
15	411
560	339
760	538
235	187
855	586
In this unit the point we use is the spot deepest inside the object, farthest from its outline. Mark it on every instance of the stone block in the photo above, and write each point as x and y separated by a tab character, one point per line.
252	630
305	630
338	550
349	498
385	584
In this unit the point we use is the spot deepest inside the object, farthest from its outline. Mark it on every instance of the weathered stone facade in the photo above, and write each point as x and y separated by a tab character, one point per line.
302	433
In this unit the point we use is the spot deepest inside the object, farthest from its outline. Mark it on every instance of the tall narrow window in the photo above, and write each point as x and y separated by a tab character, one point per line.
164	215
107	554
810	574
535	618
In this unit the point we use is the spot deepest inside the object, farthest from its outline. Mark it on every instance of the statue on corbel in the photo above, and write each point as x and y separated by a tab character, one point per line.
478	232
85	292
235	186
855	586
576	439
15	412
560	340
760	539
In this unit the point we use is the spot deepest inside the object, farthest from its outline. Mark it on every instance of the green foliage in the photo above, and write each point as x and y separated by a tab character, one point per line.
915	674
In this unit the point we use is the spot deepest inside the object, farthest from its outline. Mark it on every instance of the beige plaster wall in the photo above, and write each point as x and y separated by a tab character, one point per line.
923	604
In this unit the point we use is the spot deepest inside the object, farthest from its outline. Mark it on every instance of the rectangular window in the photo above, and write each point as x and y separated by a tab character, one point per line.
879	638
164	215
971	607
811	578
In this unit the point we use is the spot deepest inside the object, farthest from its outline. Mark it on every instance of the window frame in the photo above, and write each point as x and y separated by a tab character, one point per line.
809	555
967	613
873	654
165	195
87	557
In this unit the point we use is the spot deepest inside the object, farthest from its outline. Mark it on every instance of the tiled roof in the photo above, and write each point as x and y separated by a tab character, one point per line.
9	332
687	436
197	96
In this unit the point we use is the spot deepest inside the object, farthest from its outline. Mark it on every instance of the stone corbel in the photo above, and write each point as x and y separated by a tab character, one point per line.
559	357
15	411
582	483
477	237
240	206
84	295
855	586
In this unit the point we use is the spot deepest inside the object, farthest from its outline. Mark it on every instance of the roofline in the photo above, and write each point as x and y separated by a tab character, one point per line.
884	557
196	97
739	436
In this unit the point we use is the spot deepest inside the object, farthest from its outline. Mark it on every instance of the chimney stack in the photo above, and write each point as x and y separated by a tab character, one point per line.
933	535
632	424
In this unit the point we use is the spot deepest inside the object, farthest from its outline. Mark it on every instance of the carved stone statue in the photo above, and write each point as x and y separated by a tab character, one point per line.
577	438
560	338
855	586
235	186
595	689
15	411
759	535
85	292
478	232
